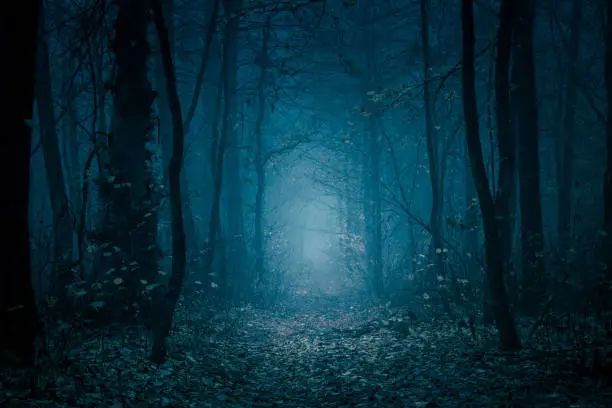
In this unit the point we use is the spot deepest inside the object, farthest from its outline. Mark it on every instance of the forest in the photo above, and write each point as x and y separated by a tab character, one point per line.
306	203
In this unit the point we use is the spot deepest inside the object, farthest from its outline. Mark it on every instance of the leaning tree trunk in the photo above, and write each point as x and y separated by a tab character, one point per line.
164	125
532	241
494	211
165	122
175	285
18	315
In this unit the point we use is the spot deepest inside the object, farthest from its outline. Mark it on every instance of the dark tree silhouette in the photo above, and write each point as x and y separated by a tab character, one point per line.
532	238
607	187
18	315
494	209
179	251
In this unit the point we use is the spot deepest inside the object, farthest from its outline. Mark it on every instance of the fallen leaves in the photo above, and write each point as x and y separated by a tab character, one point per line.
244	357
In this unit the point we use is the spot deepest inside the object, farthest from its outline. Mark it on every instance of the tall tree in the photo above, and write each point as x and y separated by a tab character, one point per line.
607	186
219	146
530	203
435	217
179	250
69	137
234	226
62	232
260	147
371	151
494	209
165	116
19	324
131	226
221	142
566	138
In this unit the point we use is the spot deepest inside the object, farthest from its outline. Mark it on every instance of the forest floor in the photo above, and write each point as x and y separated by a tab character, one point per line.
354	357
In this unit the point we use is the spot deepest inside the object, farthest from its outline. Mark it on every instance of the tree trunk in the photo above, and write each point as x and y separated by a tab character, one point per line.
165	117
532	241
374	208
70	148
233	193
163	104
19	24
494	211
607	185
193	247
260	165
470	238
132	227
175	285
165	121
227	88
565	144
435	217
371	172
217	160
63	232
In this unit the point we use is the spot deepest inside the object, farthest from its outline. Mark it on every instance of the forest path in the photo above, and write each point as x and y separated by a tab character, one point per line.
318	357
356	358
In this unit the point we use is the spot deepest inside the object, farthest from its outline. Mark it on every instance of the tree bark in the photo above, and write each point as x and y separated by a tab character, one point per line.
166	118
19	324
227	88
217	164
179	249
63	231
435	217
373	207
607	184
260	165
69	137
494	211
532	241
132	225
371	166
236	249
565	159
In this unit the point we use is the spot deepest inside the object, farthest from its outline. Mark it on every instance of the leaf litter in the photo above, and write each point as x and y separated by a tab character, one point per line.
344	357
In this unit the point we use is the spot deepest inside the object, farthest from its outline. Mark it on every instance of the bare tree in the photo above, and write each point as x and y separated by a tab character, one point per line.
260	170
62	231
432	146
494	210
565	154
179	250
532	240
